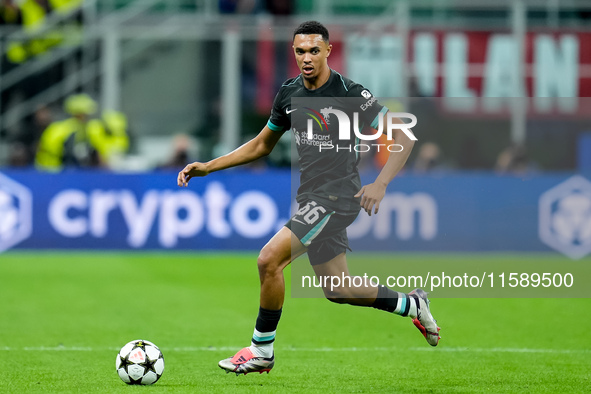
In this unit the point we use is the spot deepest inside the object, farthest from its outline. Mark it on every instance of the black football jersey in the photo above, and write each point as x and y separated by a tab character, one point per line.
328	162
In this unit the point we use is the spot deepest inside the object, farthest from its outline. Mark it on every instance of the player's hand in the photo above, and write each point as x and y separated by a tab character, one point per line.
190	171
371	195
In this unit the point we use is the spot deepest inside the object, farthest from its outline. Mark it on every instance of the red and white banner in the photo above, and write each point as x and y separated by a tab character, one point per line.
553	68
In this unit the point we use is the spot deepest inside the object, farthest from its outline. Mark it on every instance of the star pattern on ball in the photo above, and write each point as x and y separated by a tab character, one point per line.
125	363
149	365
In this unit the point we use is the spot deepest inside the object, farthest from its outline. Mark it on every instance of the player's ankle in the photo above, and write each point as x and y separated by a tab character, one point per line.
264	350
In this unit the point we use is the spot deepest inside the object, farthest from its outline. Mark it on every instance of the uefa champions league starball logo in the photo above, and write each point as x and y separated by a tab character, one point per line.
572	219
8	216
565	217
16	211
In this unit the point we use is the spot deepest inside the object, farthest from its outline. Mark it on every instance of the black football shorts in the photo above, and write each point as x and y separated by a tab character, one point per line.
321	230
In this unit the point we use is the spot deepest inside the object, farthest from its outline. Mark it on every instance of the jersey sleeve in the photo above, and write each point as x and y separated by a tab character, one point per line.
278	121
367	105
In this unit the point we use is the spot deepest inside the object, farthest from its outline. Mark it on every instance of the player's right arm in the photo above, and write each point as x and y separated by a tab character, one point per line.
259	146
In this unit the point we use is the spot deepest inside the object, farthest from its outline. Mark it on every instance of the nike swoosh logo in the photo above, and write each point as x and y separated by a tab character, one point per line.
289	111
296	220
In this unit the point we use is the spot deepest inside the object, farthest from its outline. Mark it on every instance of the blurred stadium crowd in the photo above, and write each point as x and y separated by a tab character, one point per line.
78	127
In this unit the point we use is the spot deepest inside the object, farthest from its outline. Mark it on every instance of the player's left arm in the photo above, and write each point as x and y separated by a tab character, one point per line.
373	193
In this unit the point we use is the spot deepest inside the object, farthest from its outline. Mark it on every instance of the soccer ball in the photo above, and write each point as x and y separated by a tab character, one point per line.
140	362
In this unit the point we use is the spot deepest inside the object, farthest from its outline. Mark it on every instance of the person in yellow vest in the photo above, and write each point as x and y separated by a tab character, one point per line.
65	6
80	141
32	19
108	135
32	16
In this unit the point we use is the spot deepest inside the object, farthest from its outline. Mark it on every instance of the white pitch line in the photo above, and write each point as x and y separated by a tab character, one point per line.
504	350
308	350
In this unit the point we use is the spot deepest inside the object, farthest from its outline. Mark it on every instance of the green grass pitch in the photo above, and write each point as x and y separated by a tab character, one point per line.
63	317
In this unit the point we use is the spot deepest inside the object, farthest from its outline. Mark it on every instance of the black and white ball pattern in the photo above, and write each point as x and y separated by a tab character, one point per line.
140	362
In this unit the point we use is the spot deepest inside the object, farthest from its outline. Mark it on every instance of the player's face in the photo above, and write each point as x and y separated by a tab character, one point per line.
311	52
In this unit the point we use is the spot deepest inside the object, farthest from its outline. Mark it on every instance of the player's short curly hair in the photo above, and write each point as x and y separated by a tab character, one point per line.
312	27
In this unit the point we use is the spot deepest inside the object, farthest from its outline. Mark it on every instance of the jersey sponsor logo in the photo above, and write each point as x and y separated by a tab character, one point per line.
317	117
365	93
303	138
311	138
368	103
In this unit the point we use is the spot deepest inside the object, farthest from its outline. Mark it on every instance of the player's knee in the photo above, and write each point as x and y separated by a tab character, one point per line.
266	262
